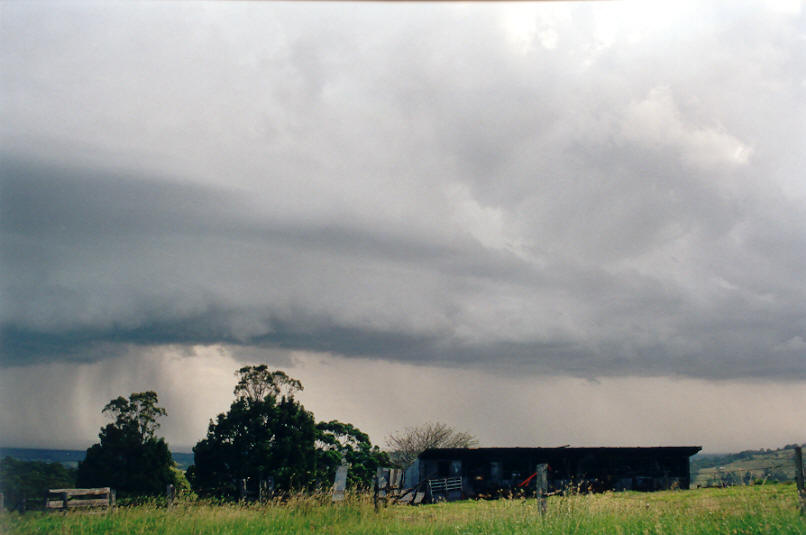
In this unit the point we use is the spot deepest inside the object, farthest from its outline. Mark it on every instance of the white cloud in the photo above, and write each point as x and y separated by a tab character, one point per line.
655	122
433	184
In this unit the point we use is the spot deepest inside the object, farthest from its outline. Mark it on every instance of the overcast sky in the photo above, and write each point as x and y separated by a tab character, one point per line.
543	223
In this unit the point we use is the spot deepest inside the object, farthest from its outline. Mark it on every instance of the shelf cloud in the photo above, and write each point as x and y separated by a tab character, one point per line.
577	190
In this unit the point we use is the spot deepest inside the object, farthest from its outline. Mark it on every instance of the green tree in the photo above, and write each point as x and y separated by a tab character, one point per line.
266	432
339	442
129	457
260	436
30	480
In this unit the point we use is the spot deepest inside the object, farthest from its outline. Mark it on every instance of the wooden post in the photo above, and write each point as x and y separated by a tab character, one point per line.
170	494
3	502
542	484
377	482
340	482
243	490
65	498
799	479
112	496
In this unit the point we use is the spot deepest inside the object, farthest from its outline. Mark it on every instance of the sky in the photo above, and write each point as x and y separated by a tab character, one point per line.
542	223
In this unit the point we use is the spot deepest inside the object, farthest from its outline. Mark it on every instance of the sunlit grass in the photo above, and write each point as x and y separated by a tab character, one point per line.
770	509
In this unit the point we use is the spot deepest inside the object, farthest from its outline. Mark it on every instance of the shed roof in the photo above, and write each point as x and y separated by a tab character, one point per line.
443	453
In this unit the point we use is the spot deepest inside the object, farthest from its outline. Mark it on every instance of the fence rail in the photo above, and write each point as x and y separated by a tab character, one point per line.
62	499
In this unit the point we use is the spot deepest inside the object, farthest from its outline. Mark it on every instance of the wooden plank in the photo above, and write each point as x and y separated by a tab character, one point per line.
59	504
88	503
81	492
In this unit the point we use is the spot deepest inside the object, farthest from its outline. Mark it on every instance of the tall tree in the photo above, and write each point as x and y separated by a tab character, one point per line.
266	432
261	435
405	446
129	457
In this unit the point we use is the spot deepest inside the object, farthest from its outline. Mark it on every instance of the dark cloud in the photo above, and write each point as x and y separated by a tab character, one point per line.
541	191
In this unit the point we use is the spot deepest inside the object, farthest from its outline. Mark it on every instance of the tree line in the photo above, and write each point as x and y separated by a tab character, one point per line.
266	434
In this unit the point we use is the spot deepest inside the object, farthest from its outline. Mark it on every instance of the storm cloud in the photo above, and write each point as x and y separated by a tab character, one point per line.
578	190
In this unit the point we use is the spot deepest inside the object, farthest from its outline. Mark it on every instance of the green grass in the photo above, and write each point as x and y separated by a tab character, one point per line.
769	509
773	465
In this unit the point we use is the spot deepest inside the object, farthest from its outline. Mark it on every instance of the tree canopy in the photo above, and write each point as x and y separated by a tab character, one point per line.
137	415
260	436
268	433
129	457
339	442
407	445
257	382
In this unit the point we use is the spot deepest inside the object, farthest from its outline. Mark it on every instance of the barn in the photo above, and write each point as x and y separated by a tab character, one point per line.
489	471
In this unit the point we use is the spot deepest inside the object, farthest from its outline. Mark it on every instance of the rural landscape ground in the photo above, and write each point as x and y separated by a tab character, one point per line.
751	510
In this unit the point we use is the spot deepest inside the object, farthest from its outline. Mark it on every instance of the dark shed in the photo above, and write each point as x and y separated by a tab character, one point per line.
486	471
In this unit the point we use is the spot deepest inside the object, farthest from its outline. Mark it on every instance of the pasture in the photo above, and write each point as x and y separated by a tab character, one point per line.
767	509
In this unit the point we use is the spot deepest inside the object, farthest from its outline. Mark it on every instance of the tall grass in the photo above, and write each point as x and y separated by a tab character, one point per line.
756	510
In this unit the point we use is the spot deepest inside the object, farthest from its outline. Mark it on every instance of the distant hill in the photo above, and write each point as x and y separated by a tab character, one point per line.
70	458
744	467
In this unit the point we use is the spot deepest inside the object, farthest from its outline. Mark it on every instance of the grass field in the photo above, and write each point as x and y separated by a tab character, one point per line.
753	510
778	464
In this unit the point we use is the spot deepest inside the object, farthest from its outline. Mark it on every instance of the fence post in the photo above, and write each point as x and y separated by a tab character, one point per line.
542	484
340	482
2	502
170	494
799	479
242	490
376	489
113	494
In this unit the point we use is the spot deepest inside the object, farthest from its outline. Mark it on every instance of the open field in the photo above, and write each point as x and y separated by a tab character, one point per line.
774	465
768	509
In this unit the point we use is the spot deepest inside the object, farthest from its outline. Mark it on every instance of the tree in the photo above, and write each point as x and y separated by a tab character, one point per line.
129	457
266	432
257	382
23	480
260	436
339	442
138	414
407	445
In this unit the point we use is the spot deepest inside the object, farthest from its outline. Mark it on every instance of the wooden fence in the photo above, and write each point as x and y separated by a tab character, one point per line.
63	499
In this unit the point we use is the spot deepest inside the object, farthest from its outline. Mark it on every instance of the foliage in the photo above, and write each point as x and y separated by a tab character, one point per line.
768	509
181	483
257	438
137	415
407	445
27	480
255	383
344	442
129	458
267	433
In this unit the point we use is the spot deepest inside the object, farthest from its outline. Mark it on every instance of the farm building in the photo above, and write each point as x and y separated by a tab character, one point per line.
487	471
